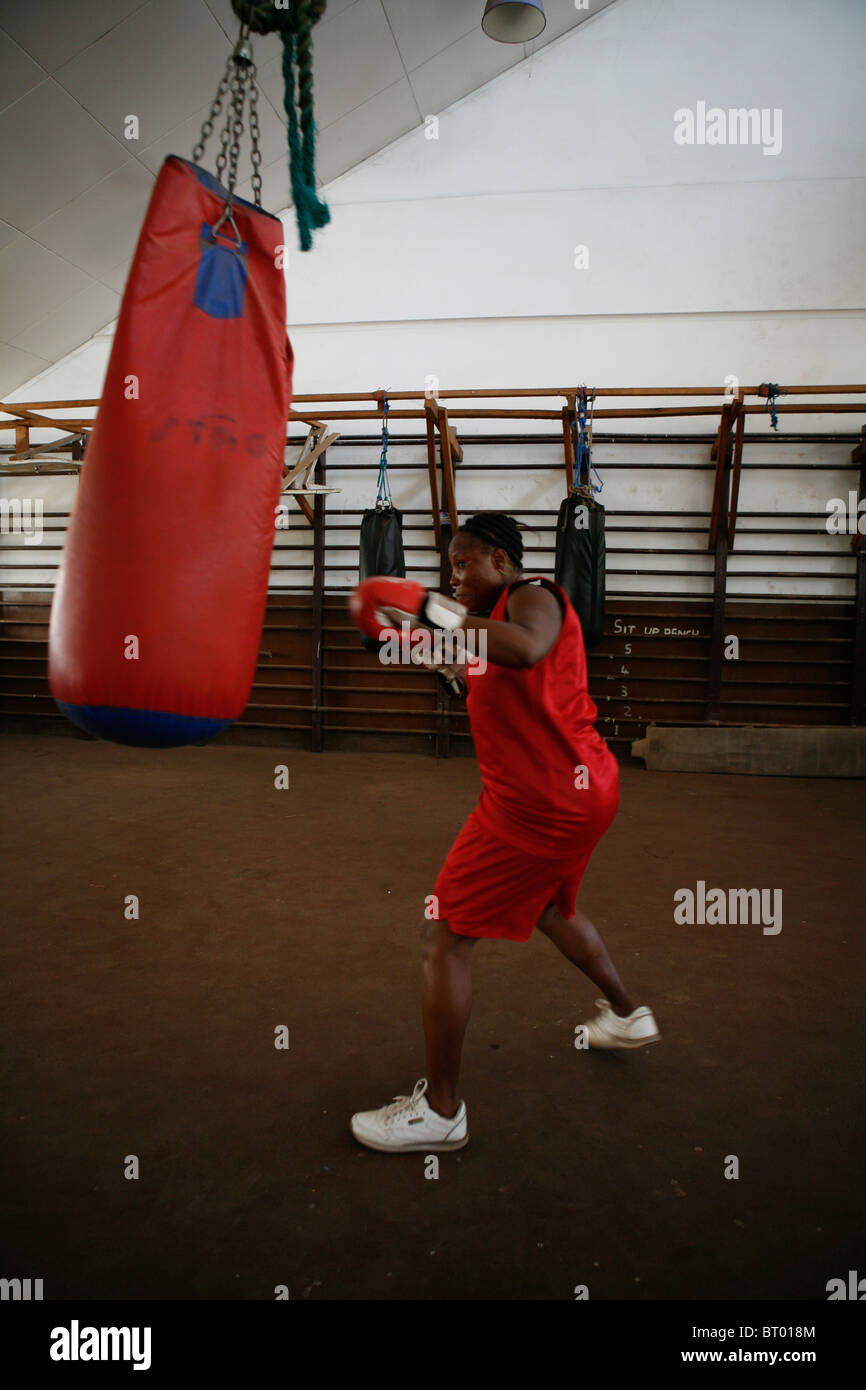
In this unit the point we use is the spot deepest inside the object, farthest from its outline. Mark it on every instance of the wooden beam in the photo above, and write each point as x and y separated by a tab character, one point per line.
720	577
735	476
437	411
858	667
47	424
306	461
447	468
36	450
721	454
317	654
504	392
518	392
568	442
434	486
714	451
648	413
22	415
858	455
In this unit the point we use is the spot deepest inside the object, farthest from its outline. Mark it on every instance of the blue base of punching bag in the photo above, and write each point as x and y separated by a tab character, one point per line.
141	727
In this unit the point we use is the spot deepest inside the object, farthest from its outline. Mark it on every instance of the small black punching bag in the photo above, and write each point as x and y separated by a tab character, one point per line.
380	550
580	541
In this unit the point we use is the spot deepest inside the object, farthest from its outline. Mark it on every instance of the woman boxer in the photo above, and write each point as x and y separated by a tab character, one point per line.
550	791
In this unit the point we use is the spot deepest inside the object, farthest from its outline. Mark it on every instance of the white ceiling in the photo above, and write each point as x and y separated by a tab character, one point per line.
73	190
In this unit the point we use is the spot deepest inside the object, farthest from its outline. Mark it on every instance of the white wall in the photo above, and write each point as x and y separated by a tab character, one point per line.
454	257
463	247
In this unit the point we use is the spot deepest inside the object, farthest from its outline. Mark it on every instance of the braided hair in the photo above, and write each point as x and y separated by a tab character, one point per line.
497	531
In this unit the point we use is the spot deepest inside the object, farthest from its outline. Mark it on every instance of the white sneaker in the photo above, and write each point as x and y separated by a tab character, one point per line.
408	1125
609	1030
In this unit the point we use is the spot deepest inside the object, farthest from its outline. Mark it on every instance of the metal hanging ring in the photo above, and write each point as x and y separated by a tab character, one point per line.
228	216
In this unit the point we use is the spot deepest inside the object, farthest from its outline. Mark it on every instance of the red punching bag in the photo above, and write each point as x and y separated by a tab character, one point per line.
157	614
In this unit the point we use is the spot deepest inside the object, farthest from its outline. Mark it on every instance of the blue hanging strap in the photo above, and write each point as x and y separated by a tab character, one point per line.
383	489
580	452
589	445
771	390
583	444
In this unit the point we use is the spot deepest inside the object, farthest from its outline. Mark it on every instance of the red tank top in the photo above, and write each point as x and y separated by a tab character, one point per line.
533	729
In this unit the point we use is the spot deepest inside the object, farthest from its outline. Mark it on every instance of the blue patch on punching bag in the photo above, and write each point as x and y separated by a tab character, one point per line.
221	281
142	728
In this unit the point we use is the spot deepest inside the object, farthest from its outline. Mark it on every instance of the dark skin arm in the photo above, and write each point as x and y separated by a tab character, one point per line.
534	623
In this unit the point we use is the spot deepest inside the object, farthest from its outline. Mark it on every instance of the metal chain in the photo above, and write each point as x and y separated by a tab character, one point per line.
222	157
236	120
215	111
239	81
255	151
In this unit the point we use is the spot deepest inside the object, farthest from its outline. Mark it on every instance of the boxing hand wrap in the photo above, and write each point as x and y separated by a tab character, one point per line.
450	677
381	603
450	680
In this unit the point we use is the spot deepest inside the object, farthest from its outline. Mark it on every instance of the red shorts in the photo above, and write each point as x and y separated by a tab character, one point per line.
489	888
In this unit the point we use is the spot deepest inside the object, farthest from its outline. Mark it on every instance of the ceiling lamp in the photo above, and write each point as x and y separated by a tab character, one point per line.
513	21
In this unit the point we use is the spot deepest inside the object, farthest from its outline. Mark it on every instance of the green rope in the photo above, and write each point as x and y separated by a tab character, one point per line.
294	26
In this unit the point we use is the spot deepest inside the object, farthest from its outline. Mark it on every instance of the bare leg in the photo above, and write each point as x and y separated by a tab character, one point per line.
446	1000
580	943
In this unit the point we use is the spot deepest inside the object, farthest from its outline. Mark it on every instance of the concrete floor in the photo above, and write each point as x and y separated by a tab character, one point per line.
261	907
